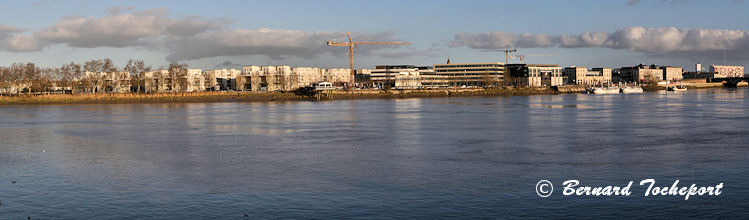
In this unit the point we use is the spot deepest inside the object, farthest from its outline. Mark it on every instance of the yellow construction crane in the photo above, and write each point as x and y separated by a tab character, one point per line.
351	45
507	53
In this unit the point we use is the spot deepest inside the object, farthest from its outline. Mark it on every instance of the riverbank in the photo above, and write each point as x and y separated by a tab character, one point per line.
206	97
197	97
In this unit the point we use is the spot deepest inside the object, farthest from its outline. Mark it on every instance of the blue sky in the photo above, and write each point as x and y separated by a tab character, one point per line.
293	33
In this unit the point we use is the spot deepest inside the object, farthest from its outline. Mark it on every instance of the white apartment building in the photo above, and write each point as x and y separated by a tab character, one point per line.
727	71
337	75
118	82
307	76
221	79
190	80
195	80
582	76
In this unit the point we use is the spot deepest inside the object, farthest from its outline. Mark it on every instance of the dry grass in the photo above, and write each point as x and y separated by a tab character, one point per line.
107	98
148	98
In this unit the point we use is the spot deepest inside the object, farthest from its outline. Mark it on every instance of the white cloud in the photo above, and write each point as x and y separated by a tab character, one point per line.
12	39
122	29
273	43
650	41
183	38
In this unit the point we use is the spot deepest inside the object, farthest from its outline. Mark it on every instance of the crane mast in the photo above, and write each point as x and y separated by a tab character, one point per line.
351	45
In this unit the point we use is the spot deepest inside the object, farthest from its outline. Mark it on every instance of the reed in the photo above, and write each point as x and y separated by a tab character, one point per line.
192	97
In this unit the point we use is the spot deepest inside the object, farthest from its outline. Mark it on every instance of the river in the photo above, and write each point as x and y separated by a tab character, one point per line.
475	157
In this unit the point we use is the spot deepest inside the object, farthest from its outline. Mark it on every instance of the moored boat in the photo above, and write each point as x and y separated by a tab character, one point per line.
632	89
677	88
605	90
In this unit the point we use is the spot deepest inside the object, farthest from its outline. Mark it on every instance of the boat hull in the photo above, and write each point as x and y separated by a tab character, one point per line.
632	90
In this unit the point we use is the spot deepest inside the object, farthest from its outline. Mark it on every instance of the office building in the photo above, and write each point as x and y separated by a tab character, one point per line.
582	76
466	74
535	74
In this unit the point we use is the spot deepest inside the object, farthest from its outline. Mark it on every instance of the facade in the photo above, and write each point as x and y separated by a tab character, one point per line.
306	76
189	80
386	76
286	78
643	72
221	79
155	81
535	74
337	76
671	73
701	75
466	74
583	76
727	71
195	80
118	82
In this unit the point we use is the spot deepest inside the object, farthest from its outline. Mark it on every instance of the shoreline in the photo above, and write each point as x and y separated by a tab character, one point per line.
219	97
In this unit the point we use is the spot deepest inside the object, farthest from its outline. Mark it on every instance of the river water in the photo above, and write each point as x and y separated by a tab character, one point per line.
429	158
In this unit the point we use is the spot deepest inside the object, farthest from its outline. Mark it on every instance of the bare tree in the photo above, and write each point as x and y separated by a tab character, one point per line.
137	70
31	77
93	66
108	66
5	79
159	80
69	75
92	80
15	76
178	75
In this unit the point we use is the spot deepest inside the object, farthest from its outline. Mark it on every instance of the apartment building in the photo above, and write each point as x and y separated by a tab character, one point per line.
583	76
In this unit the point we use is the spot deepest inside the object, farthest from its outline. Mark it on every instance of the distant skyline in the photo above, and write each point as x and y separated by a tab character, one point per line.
229	34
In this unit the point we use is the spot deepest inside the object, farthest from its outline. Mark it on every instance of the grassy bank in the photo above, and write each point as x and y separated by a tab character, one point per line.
196	97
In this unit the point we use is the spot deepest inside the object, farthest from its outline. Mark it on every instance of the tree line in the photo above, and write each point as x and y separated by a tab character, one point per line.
103	76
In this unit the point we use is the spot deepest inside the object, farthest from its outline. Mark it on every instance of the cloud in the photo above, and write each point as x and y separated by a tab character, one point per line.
681	42
182	38
274	43
12	39
118	29
228	64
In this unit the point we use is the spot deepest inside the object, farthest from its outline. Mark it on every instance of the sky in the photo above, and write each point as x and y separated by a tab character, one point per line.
230	34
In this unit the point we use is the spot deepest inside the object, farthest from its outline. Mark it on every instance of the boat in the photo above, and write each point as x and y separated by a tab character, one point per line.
632	89
679	88
605	90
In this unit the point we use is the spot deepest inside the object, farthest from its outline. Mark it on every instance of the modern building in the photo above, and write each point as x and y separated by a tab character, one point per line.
286	78
189	80
193	80
337	76
582	76
643	73
117	82
727	71
535	74
221	79
245	79
672	73
466	74
385	76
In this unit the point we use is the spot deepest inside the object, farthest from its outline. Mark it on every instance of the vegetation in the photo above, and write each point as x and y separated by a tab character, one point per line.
28	78
302	94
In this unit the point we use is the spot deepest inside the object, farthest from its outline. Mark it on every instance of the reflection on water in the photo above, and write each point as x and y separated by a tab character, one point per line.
399	158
